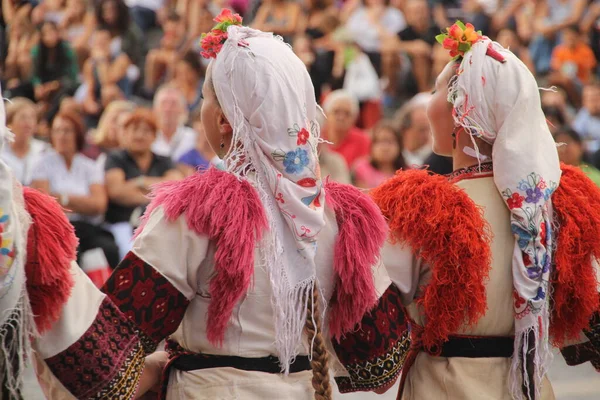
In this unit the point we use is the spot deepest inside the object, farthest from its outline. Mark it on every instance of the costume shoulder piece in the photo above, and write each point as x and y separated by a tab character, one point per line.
51	247
446	229
575	296
362	232
227	210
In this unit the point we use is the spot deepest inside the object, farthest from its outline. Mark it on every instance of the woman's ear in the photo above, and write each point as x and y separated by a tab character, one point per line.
224	125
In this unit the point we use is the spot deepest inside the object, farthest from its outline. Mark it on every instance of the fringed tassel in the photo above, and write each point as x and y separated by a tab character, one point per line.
531	360
15	348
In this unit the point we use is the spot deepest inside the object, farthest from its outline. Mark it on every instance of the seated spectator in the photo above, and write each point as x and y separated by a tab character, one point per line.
342	111
587	121
161	62
188	78
201	157
75	27
144	12
126	37
550	18
373	23
129	174
107	136
555	118
55	71
77	183
22	38
281	17
174	138
49	11
510	40
103	71
24	153
312	20
333	165
571	152
417	41
385	158
573	62
590	26
414	126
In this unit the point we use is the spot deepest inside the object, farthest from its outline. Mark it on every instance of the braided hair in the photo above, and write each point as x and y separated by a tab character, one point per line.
320	357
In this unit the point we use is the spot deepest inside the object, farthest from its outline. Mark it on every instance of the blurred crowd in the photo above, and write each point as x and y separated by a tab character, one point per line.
105	94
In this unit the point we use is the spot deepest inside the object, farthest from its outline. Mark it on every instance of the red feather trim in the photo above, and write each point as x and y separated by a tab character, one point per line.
362	232
51	247
228	211
576	204
446	229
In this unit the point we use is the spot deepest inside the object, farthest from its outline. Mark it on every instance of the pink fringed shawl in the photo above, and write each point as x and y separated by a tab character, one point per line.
228	211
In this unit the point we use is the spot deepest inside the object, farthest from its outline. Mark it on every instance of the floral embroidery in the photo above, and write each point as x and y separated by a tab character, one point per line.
303	136
7	248
294	161
515	201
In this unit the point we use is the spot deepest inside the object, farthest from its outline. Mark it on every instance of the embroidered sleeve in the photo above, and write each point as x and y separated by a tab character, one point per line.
154	283
374	353
92	349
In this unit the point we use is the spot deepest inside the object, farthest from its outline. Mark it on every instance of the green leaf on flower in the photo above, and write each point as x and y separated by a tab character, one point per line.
460	24
464	47
440	38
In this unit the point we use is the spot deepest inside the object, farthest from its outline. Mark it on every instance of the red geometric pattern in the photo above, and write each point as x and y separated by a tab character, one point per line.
374	353
106	362
587	351
147	299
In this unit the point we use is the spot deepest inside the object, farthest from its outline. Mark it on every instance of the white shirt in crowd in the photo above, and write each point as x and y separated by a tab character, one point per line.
183	141
74	181
153	5
22	168
366	35
417	157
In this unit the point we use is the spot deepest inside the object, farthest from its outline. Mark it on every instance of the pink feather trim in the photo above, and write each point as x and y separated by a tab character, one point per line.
229	212
51	247
362	232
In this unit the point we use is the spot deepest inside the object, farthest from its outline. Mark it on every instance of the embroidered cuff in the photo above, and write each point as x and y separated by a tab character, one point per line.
106	362
374	354
147	299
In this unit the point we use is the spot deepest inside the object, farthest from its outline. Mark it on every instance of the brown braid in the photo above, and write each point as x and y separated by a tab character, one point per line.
320	358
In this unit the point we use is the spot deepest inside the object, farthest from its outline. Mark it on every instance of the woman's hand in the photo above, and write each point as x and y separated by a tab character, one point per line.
153	369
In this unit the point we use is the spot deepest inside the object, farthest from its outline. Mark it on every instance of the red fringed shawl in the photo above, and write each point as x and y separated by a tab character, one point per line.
446	229
228	211
51	247
576	205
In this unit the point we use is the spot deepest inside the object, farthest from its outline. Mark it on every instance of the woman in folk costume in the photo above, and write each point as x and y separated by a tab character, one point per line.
496	262
51	315
251	269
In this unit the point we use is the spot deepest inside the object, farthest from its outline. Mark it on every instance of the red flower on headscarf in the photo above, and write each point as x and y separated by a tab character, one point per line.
227	16
459	38
303	136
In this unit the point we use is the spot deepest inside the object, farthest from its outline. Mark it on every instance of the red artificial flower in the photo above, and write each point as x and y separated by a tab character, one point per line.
452	45
455	32
515	201
303	136
227	16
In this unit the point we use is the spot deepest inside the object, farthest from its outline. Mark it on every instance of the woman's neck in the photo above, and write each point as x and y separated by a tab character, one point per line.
68	159
21	148
142	159
460	159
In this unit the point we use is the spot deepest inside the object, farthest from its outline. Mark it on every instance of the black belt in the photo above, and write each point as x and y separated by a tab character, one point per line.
270	364
478	347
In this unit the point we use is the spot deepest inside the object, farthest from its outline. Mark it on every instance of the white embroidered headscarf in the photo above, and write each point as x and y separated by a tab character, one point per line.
500	103
17	327
268	97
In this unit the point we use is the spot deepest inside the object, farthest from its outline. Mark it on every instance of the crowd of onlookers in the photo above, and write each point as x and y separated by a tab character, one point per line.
105	94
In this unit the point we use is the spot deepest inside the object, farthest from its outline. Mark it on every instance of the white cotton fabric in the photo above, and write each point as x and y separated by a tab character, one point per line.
267	95
500	103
